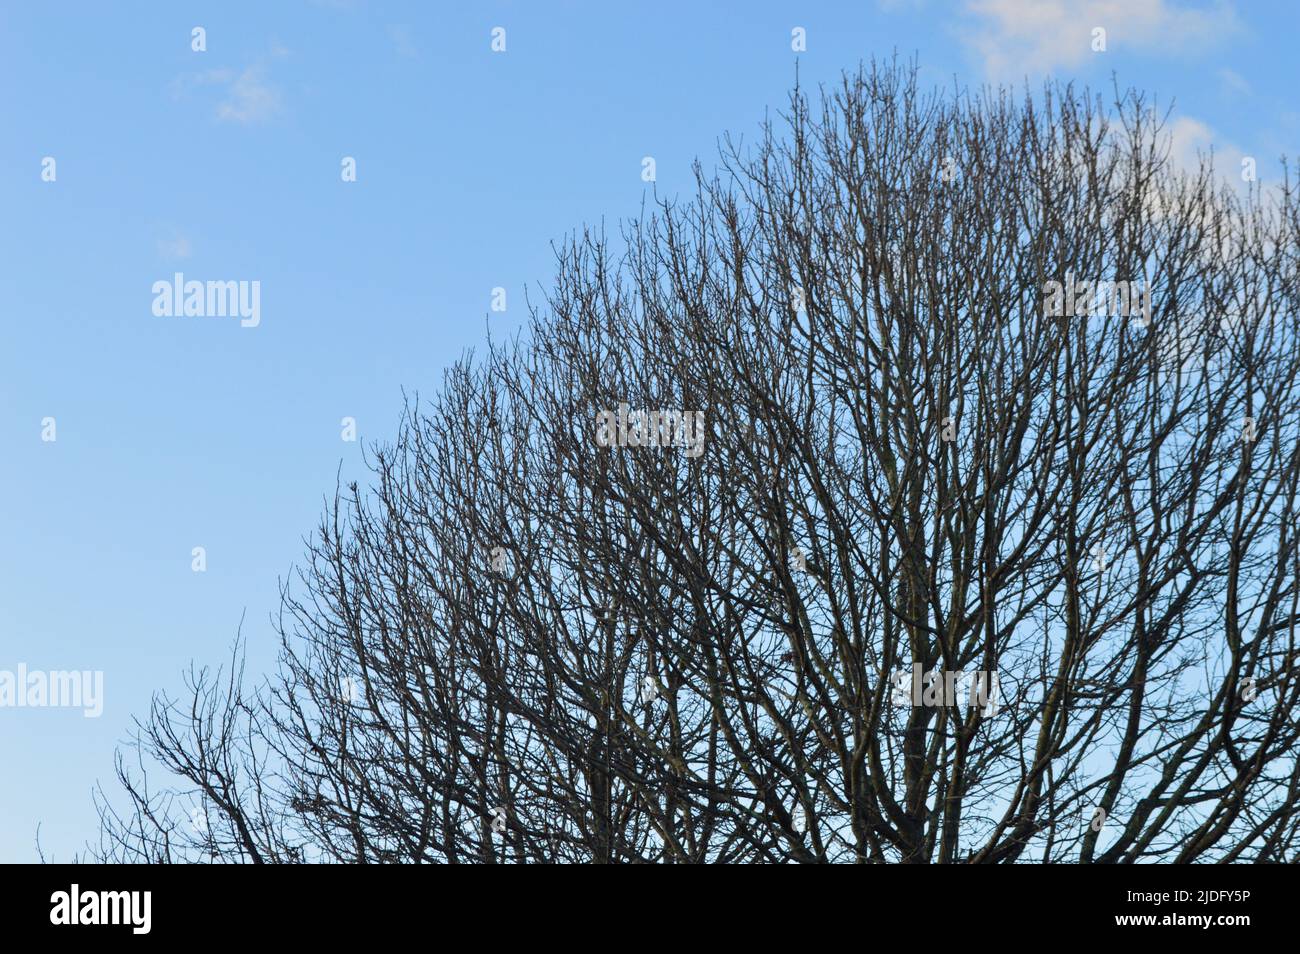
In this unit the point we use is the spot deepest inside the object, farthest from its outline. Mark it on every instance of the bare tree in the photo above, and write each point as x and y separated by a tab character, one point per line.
657	581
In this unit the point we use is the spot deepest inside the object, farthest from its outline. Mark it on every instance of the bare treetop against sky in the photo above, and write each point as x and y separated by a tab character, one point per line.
857	435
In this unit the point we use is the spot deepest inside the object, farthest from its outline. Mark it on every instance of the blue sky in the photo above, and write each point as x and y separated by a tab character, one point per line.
176	433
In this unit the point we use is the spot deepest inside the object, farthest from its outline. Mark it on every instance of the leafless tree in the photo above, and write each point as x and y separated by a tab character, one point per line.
521	644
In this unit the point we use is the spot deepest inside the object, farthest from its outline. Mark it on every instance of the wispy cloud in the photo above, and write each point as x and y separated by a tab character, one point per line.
1016	37
1191	139
1234	84
403	41
250	99
174	248
247	95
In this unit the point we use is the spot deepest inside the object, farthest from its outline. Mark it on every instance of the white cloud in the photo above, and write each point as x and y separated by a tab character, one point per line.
249	98
403	42
1015	37
1234	84
247	95
174	248
1189	139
